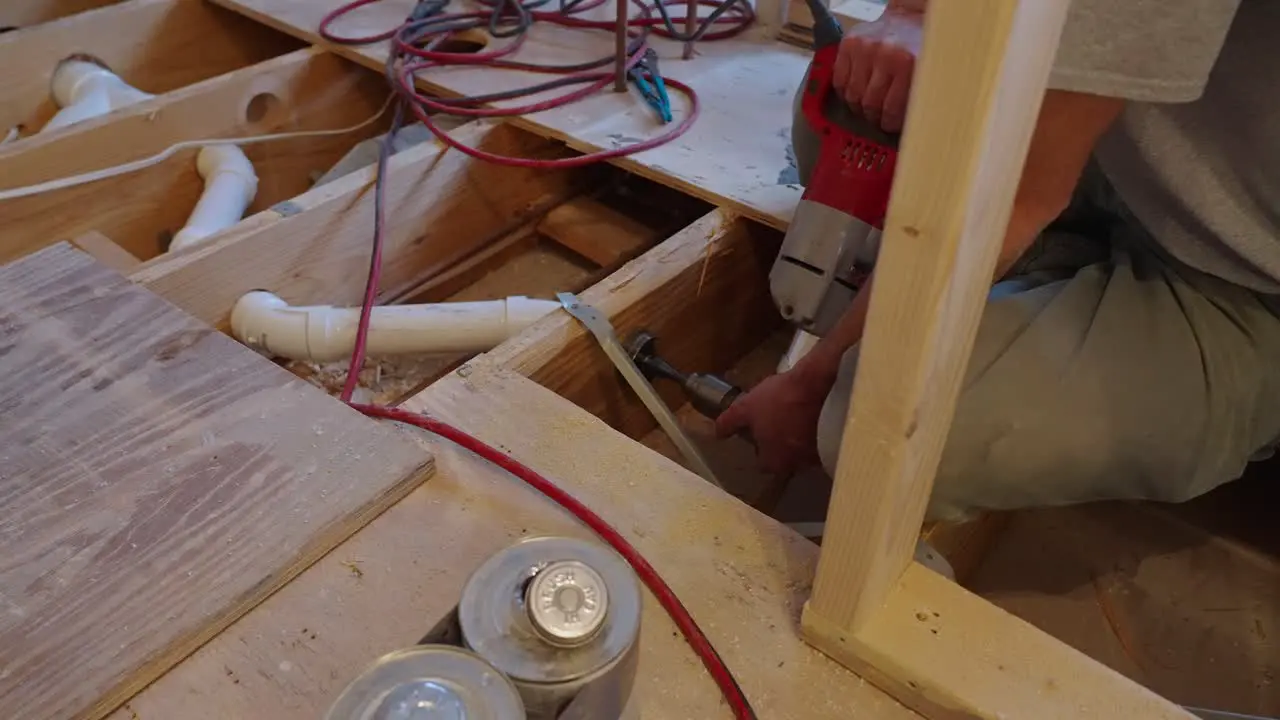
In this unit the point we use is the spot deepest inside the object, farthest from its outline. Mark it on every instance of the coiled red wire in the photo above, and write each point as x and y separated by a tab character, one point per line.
400	72
416	47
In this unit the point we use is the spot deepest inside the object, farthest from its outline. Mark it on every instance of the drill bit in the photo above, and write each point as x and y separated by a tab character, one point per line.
709	394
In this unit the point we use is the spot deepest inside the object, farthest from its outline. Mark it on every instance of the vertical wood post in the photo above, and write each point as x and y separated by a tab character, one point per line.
976	97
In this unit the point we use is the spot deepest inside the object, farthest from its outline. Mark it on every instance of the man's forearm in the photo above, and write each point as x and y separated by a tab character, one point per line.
818	368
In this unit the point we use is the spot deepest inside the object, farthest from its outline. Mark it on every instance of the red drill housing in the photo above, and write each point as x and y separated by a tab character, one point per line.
856	160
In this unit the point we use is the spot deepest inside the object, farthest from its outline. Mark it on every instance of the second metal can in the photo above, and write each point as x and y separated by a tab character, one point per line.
561	618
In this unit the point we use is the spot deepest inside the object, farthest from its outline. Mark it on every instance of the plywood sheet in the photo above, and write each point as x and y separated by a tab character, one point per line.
743	576
157	481
737	155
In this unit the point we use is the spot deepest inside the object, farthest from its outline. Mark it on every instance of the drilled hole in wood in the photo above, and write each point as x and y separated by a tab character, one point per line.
260	106
463	43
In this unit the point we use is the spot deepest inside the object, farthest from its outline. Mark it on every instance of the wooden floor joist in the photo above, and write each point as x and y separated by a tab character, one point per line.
155	45
17	14
305	249
301	91
920	646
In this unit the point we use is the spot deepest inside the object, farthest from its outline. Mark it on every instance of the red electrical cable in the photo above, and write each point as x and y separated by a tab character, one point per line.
693	634
648	575
406	59
402	80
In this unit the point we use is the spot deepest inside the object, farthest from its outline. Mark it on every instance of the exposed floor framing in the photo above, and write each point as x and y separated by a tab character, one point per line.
233	588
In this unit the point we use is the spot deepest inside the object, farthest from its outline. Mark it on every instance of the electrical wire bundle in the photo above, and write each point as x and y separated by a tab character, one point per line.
416	46
419	45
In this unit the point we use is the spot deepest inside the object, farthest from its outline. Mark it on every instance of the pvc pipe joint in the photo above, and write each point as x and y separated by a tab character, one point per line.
320	333
85	89
230	185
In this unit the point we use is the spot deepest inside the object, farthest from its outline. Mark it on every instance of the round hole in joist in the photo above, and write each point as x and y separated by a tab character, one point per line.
260	107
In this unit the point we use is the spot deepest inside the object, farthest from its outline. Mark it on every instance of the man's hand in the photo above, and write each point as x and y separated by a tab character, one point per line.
781	414
876	61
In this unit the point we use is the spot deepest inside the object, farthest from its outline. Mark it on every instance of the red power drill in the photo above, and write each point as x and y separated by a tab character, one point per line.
834	236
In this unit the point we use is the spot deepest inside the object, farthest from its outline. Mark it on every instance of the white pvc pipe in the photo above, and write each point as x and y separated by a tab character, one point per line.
85	89
323	333
801	343
230	185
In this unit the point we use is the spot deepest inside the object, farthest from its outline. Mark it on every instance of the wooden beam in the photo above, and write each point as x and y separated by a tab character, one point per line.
106	252
938	649
984	68
24	13
678	291
462	274
951	655
155	45
597	232
315	248
305	90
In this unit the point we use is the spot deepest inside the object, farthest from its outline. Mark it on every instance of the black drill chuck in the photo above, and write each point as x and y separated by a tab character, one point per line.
826	29
709	394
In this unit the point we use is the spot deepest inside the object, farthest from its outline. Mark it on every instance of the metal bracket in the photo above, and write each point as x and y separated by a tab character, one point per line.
599	326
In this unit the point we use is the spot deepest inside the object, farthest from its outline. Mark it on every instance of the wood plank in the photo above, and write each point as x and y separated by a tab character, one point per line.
742	576
101	248
158	481
737	155
956	656
471	269
596	231
678	291
446	206
24	13
147	42
936	647
305	90
975	99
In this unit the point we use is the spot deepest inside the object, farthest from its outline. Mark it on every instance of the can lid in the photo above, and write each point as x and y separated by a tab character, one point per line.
430	682
567	602
550	610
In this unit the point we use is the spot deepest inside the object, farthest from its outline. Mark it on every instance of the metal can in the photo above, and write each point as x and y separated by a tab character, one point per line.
561	618
429	682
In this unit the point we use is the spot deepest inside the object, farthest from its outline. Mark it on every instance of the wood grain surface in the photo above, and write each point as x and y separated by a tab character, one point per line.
301	91
154	45
157	481
741	575
738	154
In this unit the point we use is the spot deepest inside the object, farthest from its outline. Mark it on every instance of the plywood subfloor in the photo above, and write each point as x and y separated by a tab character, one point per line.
157	480
737	155
742	576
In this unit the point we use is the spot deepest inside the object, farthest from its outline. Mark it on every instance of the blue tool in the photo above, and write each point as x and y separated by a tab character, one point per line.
646	77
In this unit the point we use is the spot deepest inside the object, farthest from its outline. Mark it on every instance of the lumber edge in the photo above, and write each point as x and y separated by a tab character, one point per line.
951	655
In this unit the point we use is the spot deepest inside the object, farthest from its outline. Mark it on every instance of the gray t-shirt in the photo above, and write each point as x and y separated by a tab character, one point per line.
1196	155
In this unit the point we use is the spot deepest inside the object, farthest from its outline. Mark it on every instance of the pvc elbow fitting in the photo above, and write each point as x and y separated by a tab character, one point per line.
84	89
230	184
